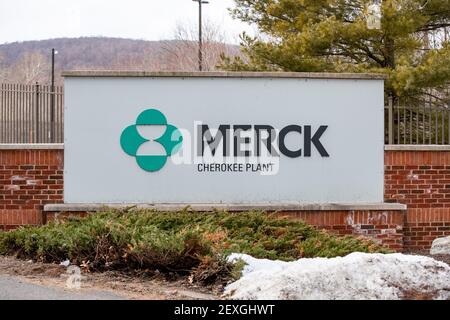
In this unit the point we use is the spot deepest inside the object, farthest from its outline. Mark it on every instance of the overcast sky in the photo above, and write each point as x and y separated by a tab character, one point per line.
22	20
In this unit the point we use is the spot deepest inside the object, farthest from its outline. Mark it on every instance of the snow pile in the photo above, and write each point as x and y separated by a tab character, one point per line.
355	276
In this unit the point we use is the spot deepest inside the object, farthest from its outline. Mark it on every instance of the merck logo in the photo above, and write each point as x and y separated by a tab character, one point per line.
262	144
131	140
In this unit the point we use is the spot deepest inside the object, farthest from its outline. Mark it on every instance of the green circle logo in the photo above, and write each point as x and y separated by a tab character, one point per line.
131	140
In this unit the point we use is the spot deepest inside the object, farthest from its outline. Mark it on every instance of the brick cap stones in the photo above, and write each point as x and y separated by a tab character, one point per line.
60	146
222	74
88	207
416	147
31	146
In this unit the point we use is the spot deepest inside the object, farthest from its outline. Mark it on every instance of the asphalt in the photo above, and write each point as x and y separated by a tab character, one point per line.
12	288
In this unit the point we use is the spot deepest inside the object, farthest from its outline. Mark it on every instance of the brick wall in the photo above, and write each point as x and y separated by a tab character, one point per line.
384	227
421	180
28	180
418	178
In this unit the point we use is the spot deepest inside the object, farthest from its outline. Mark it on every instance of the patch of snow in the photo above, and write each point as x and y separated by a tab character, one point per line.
254	264
65	263
355	276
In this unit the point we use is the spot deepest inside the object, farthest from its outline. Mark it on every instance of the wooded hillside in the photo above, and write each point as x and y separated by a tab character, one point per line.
30	61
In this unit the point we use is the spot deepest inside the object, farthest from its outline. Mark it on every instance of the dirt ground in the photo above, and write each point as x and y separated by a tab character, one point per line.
136	287
132	287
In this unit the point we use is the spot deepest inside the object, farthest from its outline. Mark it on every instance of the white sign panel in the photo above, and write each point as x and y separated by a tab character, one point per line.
221	139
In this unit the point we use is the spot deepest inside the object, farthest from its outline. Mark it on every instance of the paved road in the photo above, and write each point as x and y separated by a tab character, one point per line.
12	288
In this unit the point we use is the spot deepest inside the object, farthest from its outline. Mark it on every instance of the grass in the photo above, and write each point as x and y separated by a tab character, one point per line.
181	242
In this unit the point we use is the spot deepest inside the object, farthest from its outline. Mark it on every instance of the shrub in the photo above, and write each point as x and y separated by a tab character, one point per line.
182	242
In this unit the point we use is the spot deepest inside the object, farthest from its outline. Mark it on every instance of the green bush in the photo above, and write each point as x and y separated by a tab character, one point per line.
181	242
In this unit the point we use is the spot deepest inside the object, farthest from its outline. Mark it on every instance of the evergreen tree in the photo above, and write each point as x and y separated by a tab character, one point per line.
410	43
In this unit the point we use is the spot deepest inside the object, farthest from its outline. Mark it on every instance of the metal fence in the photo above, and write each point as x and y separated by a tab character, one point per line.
31	113
34	114
417	123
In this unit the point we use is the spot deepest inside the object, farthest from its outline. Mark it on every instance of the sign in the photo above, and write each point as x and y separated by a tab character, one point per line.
223	138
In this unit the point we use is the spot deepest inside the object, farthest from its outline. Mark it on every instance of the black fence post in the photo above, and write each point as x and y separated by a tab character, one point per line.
52	114
37	114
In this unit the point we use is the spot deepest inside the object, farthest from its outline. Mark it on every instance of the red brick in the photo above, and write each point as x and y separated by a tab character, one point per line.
40	180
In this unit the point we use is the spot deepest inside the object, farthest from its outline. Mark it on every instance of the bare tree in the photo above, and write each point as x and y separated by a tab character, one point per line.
31	67
182	52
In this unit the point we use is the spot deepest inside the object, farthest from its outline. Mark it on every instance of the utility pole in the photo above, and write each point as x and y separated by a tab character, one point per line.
52	98
200	51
